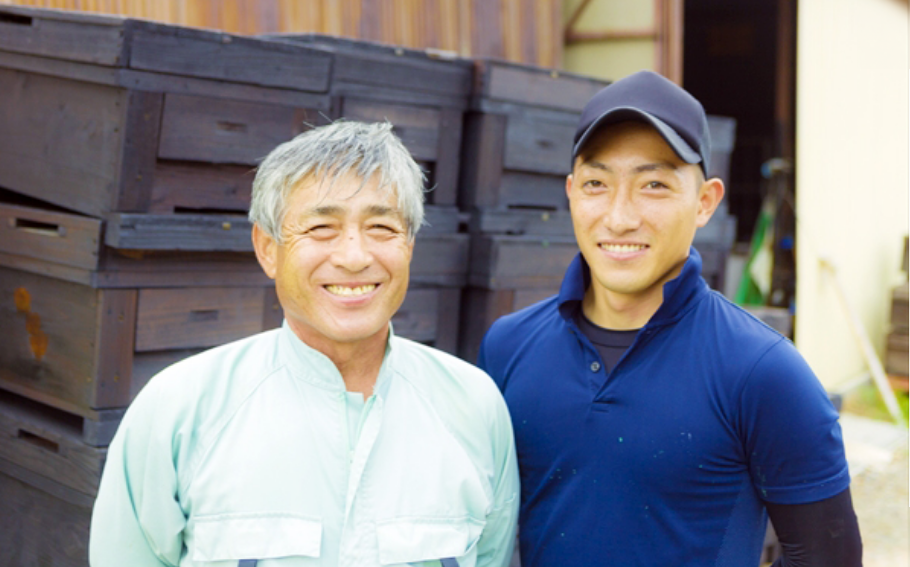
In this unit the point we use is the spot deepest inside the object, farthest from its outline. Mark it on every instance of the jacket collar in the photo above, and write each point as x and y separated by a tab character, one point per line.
679	293
312	366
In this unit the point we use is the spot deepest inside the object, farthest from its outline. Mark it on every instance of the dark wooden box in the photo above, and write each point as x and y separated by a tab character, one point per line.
899	308
897	358
48	478
422	93
500	261
103	114
481	307
518	136
41	522
49	444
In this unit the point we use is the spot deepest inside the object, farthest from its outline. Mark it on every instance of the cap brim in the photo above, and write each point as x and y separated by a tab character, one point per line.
622	114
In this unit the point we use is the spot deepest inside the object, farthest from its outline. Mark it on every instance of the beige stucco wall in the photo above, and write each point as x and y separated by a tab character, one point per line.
612	59
852	174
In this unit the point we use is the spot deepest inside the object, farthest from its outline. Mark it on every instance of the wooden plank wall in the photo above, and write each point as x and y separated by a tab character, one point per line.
524	31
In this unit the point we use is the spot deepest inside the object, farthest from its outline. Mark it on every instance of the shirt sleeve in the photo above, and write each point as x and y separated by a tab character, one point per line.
498	538
137	520
792	438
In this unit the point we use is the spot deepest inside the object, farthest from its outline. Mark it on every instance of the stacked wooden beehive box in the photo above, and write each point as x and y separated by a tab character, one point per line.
127	151
517	152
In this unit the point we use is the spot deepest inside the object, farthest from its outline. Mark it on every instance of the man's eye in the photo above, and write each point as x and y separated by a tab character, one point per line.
593	183
320	230
655	185
383	228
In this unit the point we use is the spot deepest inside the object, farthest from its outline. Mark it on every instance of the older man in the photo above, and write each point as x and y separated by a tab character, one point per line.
329	441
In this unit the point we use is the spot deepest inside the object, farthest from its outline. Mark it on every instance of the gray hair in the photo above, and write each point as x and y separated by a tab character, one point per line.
328	153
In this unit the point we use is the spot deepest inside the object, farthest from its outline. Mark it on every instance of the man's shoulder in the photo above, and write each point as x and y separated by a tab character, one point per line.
421	362
216	372
736	322
526	321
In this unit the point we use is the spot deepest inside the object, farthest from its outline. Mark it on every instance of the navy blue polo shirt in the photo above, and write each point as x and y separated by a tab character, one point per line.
666	458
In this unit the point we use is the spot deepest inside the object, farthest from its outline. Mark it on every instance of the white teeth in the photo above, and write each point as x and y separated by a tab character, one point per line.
622	247
350	291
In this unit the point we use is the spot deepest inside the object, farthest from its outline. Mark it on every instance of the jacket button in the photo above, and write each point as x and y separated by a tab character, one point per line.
595	366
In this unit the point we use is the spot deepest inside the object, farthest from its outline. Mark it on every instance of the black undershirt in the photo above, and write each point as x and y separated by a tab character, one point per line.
609	343
819	534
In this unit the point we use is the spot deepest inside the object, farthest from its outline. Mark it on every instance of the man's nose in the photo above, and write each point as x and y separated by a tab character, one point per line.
622	214
352	252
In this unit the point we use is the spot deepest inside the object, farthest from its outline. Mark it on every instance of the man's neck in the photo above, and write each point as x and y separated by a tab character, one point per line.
358	362
619	312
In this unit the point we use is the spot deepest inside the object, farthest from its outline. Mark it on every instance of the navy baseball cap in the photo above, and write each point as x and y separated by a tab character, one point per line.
649	97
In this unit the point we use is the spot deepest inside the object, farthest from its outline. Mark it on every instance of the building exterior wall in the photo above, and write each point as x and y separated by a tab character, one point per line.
524	31
615	58
852	175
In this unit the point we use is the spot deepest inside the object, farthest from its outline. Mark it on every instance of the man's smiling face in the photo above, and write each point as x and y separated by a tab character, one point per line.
341	270
635	207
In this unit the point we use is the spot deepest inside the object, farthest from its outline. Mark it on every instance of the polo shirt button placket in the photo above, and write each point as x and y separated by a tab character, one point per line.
595	366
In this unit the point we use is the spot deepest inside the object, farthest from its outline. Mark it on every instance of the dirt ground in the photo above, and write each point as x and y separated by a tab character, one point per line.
880	498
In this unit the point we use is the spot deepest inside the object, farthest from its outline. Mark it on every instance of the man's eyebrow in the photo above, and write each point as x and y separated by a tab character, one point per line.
656	166
381	211
324	211
336	210
597	165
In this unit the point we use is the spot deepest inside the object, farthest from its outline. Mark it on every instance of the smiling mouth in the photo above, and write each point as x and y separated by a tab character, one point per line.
350	291
622	248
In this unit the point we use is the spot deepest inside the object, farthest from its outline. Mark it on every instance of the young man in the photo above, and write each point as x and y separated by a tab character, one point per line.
656	422
329	441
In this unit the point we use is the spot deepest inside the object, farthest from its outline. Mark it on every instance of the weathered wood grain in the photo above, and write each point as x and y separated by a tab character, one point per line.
49	443
449	310
50	332
529	261
481	307
448	161
142	127
418	317
113	341
185	185
440	259
533	190
37	526
214	55
359	62
482	160
92	39
195	232
534	86
196	317
61	238
417	127
539	222
223	131
61	140
539	141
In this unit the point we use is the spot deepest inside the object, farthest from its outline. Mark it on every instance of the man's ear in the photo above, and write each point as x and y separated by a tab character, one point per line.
568	185
710	195
266	251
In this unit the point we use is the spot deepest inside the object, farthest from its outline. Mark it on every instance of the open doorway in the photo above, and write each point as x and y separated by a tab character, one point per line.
740	61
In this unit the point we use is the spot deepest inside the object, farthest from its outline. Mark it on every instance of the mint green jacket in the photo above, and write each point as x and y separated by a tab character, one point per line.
244	452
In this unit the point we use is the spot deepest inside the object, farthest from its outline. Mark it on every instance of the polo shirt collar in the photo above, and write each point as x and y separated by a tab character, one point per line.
678	292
